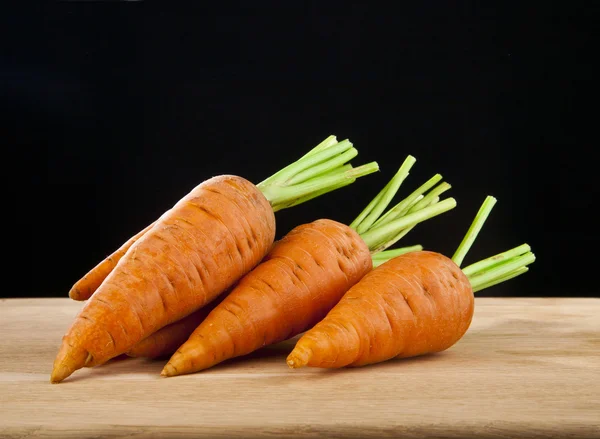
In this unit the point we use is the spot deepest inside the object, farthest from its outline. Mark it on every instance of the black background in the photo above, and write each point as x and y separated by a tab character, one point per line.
115	110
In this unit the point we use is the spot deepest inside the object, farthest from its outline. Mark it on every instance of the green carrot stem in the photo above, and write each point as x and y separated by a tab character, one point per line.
377	235
412	203
404	216
402	207
492	275
430	197
324	167
501	279
473	231
314	159
391	241
485	264
384	256
389	254
376	207
318	154
337	172
329	141
321	170
281	197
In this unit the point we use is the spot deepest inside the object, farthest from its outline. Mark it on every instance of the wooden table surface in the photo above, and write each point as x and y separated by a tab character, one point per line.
526	368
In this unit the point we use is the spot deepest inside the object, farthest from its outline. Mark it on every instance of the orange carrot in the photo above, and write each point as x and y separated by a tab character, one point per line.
85	287
413	304
193	252
166	340
318	172
299	281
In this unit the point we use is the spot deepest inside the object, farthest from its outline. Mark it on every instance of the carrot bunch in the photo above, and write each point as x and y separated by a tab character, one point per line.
302	277
417	303
206	282
190	255
407	214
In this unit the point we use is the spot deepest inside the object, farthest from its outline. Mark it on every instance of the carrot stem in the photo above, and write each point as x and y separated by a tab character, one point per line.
501	279
391	241
501	272
485	264
377	236
495	269
384	256
381	230
474	229
402	207
321	170
334	172
303	163
329	141
376	207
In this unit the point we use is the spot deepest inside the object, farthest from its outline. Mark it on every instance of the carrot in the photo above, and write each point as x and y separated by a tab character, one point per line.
325	170
85	287
195	251
413	304
166	340
302	278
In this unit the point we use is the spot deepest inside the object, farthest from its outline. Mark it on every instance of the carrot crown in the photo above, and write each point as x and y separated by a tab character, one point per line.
381	230
490	271
495	269
323	169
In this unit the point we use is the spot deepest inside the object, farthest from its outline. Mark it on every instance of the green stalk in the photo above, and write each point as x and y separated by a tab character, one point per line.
379	249
381	257
345	174
483	274
495	269
430	198
324	167
329	141
491	283
337	171
314	159
321	170
280	175
505	270
492	261
376	207
402	207
383	234
473	231
380	230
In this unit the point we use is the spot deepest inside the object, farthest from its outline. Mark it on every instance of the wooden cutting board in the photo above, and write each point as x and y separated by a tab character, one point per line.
526	368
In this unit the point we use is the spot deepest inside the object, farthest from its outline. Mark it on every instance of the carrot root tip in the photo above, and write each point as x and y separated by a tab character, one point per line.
169	371
298	359
59	374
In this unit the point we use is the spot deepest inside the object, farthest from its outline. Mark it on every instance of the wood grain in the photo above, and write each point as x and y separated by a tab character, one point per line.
526	368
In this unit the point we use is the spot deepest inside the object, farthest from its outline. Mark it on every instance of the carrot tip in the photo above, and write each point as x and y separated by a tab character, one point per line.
76	294
59	374
295	361
168	371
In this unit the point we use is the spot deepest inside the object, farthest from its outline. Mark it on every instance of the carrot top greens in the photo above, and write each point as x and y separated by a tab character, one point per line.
381	230
323	169
487	272
495	269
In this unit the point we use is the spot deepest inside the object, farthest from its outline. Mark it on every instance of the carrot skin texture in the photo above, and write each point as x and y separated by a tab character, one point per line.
85	287
417	303
299	281
167	340
195	251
